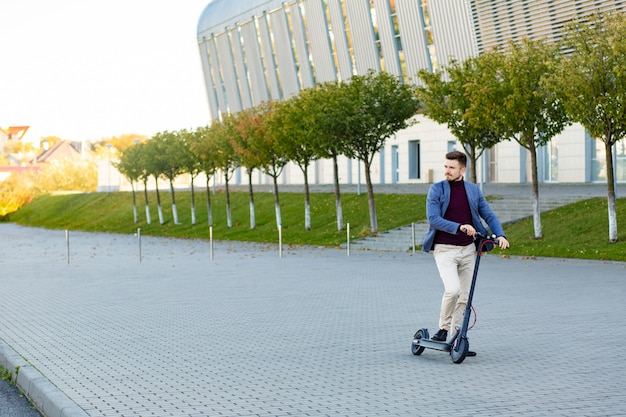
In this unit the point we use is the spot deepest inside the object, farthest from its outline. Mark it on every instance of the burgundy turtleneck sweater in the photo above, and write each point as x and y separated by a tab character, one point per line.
458	211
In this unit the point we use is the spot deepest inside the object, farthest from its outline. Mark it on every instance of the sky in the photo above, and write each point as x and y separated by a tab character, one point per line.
87	70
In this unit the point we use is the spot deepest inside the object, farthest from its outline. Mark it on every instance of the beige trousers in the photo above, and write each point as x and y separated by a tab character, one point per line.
456	267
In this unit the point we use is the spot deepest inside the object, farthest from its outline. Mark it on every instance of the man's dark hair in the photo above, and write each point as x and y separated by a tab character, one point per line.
457	156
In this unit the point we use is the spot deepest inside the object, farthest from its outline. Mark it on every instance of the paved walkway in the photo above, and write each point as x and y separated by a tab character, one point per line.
314	333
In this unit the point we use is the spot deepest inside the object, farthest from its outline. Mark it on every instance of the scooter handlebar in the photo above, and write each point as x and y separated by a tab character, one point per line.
483	237
483	241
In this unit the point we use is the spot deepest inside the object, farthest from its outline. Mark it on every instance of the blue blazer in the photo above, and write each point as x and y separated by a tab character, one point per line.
437	203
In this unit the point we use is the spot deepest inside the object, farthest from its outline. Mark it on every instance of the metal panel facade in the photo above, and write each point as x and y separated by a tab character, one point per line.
387	34
458	44
231	87
298	43
268	57
366	55
413	36
256	73
319	40
341	41
240	66
498	22
302	50
286	62
216	75
208	80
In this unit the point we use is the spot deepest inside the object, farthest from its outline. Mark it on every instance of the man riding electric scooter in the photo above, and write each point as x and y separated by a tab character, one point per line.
456	210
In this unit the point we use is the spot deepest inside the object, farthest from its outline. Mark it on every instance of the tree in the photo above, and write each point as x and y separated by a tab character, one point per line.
245	128
296	133
68	175
203	146
225	157
191	164
591	80
322	104
169	161
143	166
129	165
449	102
266	144
513	98
123	142
153	167
371	108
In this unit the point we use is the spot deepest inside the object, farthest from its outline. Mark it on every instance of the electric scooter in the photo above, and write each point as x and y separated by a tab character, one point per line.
458	346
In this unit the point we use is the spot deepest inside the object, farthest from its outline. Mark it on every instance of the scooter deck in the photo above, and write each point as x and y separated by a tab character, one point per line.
433	344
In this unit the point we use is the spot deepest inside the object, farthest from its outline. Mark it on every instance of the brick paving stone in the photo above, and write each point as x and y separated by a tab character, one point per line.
315	333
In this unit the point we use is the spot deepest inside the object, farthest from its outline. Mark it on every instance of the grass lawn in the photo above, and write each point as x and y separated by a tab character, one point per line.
577	230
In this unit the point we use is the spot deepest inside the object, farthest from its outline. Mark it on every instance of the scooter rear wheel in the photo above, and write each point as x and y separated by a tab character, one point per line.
459	350
417	349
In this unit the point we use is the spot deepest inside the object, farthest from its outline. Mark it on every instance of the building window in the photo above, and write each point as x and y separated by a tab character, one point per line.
620	161
598	161
414	160
550	154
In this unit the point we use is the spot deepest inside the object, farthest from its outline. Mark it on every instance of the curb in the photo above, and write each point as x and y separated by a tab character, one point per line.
48	399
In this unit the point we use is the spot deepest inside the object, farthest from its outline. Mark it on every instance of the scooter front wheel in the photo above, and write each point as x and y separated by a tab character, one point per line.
416	348
459	350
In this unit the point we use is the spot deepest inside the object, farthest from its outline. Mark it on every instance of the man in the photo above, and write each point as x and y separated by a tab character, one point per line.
454	209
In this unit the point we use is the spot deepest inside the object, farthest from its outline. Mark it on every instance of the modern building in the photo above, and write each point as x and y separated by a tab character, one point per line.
256	50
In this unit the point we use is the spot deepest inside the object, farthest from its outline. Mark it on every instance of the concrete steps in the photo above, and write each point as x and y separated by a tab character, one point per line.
508	209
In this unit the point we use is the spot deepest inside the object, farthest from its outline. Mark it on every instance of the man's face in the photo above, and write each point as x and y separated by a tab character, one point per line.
453	170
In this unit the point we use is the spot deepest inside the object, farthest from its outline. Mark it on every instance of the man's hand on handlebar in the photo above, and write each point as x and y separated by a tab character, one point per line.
502	242
469	230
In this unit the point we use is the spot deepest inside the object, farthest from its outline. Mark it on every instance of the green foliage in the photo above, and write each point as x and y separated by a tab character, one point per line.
449	102
372	108
130	163
168	156
591	80
16	191
368	110
68	175
5	375
521	107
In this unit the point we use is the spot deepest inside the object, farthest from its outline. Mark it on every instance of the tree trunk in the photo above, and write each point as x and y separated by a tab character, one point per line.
145	197
610	182
338	207
251	194
193	204
307	200
174	211
370	198
279	220
135	217
229	218
474	162
158	195
209	210
535	186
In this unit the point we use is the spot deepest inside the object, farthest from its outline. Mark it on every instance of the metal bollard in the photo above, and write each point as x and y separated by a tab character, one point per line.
139	242
67	246
413	236
211	242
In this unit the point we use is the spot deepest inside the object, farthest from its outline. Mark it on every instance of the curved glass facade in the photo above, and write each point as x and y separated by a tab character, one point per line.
256	50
